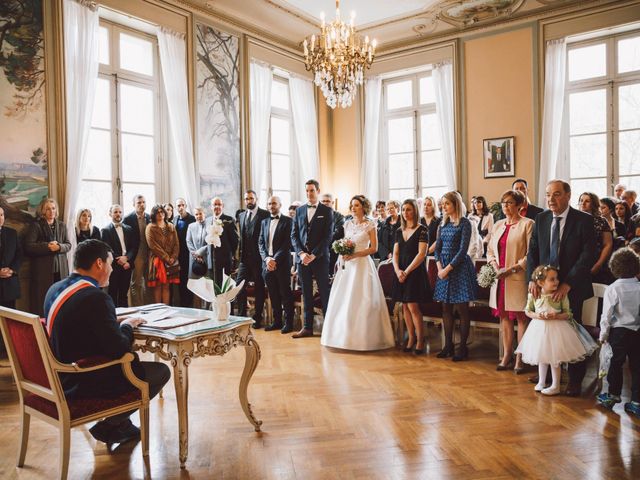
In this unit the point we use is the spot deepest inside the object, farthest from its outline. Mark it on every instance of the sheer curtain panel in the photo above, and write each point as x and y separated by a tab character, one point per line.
443	84
173	62
260	114
554	125
81	23
371	176
305	125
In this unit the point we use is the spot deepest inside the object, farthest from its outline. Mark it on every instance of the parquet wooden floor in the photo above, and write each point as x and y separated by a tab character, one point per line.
336	415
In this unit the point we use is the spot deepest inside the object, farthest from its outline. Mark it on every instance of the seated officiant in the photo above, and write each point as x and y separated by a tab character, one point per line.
82	323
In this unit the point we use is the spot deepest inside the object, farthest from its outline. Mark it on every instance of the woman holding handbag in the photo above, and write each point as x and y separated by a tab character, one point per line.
164	248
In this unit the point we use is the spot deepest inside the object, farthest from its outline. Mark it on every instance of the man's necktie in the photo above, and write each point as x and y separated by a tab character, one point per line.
554	257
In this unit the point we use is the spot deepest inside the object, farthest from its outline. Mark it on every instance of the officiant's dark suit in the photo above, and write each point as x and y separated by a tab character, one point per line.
313	236
10	257
577	254
279	280
223	255
120	278
250	268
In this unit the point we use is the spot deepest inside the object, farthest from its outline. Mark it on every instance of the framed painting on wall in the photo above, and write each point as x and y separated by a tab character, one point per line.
218	116
499	157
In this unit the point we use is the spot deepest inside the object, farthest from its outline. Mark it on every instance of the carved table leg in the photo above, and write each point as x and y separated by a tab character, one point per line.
180	361
252	357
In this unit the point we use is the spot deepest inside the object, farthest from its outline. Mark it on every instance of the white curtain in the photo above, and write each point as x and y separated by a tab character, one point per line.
443	83
81	76
305	125
554	137
260	114
173	61
370	173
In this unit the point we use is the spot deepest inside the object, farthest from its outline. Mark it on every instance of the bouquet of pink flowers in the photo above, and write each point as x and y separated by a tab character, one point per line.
344	246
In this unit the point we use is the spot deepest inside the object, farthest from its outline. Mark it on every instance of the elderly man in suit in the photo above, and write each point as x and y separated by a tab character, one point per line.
10	261
199	261
250	268
138	220
120	238
223	255
275	251
311	238
565	237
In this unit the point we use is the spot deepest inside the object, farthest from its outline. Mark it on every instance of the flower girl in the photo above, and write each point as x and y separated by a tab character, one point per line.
553	337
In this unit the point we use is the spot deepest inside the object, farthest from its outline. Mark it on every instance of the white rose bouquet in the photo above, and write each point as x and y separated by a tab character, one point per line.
487	276
214	233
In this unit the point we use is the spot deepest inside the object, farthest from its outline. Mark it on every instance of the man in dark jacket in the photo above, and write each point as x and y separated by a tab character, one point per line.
81	321
10	260
223	255
120	239
182	222
138	221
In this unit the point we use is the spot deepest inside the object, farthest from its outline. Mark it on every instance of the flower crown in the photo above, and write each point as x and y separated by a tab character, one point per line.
540	273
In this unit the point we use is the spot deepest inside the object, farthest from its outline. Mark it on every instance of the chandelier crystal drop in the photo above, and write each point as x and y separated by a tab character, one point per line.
338	58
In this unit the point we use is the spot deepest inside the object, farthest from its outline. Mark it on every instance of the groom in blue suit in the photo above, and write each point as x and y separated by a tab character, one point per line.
311	238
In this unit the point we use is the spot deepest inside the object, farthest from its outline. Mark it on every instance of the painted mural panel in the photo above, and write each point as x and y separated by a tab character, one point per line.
23	134
218	116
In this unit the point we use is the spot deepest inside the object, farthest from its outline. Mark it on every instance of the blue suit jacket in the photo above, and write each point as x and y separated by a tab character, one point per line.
312	237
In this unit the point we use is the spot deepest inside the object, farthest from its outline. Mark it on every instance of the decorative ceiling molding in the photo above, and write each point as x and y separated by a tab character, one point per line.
462	13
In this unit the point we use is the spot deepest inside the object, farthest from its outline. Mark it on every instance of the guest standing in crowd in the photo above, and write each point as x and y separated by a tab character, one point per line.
170	216
623	215
380	213
411	285
387	231
275	248
84	228
311	238
120	238
223	255
589	203
564	238
618	190
47	243
528	209
431	220
507	253
163	255
629	197
182	222
456	284
292	211
338	229
138	221
199	258
250	268
10	261
480	212
607	210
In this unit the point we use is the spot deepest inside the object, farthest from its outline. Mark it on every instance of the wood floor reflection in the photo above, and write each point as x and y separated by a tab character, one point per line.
331	414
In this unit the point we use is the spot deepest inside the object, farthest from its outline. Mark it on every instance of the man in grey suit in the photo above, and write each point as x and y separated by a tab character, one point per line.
197	245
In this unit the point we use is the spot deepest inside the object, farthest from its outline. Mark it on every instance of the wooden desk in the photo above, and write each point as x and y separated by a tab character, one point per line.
210	337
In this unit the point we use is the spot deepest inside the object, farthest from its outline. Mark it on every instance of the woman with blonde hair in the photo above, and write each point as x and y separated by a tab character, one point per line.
456	284
507	253
47	243
84	228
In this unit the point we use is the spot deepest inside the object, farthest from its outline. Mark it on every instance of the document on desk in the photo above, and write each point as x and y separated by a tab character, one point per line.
121	311
174	322
156	315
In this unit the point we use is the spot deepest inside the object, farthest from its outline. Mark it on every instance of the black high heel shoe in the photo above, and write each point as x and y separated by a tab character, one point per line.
407	348
420	351
445	352
463	354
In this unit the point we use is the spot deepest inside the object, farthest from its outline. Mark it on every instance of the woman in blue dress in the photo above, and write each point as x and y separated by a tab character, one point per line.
456	285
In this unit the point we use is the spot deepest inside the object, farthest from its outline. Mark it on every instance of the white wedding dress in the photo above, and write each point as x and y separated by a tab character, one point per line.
357	316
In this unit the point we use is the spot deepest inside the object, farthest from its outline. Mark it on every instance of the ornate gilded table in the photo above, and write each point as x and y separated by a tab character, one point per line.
210	337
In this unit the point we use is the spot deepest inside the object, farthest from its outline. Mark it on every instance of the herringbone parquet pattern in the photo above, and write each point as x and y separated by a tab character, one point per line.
336	415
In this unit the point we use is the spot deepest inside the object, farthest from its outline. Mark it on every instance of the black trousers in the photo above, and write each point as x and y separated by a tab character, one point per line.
156	375
279	285
186	295
318	269
251	272
577	370
624	343
119	283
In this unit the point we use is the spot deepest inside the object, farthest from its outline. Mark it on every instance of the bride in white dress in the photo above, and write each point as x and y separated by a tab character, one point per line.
357	317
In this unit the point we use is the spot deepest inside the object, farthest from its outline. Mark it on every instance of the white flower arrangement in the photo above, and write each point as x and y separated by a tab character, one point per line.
487	276
214	233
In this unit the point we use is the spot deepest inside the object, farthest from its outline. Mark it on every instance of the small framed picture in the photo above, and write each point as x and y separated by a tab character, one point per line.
499	157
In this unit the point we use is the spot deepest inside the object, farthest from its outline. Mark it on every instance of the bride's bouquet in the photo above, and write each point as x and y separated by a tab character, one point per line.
487	276
344	246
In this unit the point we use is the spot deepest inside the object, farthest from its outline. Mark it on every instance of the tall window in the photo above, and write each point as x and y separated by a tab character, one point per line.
123	152
412	149
281	144
603	101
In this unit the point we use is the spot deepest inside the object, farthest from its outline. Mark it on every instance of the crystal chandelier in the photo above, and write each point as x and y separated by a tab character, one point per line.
338	58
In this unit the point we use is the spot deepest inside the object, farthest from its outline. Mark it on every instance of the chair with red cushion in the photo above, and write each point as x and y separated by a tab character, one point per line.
36	374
